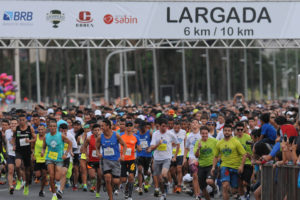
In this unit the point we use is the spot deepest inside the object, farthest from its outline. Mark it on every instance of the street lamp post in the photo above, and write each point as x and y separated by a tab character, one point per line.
89	75
244	60
259	62
273	63
155	76
206	55
185	93
38	84
77	76
228	74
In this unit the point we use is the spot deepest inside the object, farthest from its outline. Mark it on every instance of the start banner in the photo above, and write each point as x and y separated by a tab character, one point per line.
149	20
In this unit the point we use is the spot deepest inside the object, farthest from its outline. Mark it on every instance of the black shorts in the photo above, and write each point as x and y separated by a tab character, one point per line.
40	166
25	156
247	173
179	161
145	162
76	159
203	174
66	163
10	160
94	165
128	166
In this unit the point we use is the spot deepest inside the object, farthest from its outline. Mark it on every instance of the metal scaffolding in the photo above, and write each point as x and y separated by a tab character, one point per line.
148	43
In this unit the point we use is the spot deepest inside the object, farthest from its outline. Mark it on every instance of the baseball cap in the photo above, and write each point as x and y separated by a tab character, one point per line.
98	112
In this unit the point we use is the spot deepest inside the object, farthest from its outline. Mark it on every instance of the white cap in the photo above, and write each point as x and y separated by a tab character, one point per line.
142	117
79	119
42	118
98	112
107	115
289	113
50	111
244	118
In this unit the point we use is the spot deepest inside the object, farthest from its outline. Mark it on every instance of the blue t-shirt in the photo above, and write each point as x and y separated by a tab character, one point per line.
268	131
145	140
275	149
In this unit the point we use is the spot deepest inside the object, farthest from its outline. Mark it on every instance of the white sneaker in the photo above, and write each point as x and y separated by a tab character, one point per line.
163	197
129	198
116	192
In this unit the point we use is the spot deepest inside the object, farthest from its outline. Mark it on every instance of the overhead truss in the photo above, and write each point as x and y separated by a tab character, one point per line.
147	43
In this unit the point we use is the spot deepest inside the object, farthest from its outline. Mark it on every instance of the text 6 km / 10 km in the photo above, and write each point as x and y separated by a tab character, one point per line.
224	31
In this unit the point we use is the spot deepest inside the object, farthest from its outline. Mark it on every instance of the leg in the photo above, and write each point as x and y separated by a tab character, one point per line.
257	193
51	171
83	171
140	175
99	177
225	190
108	183
63	173
44	176
10	174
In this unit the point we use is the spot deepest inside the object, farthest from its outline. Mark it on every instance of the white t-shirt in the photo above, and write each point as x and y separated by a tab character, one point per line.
71	137
220	135
8	136
190	143
180	137
164	150
219	126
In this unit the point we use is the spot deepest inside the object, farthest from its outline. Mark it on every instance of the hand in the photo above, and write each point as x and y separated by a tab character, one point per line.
122	158
241	169
27	140
294	147
184	161
64	157
148	149
32	157
99	156
174	159
160	142
14	148
212	171
72	154
42	153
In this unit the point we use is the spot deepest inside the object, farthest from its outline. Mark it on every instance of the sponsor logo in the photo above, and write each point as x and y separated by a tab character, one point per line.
17	17
84	19
119	19
55	17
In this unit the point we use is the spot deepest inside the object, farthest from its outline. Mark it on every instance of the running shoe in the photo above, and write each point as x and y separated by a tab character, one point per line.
18	186
74	188
11	190
26	190
156	192
59	194
54	197
178	190
163	197
146	188
140	191
97	195
42	194
92	189
85	188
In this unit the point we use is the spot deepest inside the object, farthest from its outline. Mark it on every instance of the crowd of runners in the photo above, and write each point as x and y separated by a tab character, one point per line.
203	150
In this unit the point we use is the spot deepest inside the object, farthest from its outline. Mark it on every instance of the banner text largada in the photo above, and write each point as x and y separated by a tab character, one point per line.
150	20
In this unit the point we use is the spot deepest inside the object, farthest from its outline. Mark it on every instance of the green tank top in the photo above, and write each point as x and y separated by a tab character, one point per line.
38	149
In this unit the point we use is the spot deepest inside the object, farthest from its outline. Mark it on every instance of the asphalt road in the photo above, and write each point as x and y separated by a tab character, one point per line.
80	195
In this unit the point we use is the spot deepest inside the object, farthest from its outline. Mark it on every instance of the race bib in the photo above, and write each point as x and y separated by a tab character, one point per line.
144	144
94	153
83	156
162	147
23	142
53	155
128	152
109	151
174	151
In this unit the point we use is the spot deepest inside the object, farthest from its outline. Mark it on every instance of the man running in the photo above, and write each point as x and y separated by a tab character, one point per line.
176	167
128	165
54	141
204	151
40	167
23	137
109	142
143	157
230	150
161	144
93	160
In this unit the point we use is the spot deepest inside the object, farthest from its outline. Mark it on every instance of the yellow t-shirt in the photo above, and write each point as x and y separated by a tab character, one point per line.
231	152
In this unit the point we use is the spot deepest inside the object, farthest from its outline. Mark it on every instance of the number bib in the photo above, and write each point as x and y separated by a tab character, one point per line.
144	144
83	156
94	153
23	142
162	147
128	152
109	151
179	151
53	155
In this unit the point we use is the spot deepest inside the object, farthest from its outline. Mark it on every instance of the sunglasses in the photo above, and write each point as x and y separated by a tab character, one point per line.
129	125
239	129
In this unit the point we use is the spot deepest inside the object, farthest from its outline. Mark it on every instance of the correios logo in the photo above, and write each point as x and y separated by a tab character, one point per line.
119	19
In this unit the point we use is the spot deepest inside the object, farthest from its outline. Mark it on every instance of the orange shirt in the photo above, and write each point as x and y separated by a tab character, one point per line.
130	141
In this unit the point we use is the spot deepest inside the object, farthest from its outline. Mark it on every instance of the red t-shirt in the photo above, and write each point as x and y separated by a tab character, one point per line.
289	130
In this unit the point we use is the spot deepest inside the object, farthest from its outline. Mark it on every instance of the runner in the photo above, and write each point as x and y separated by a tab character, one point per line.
54	141
78	131
191	140
40	167
128	165
176	167
10	153
204	150
93	160
23	137
109	142
144	158
161	144
245	177
83	158
230	150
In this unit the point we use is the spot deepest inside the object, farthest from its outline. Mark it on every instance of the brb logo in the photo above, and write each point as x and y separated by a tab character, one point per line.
119	19
17	16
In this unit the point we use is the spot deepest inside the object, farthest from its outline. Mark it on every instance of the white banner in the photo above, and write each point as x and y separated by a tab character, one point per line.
149	20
